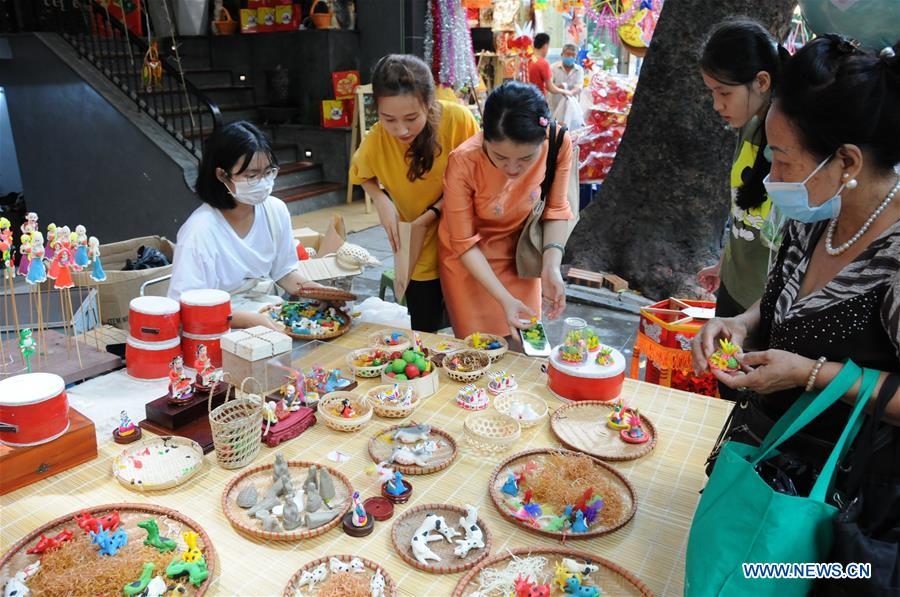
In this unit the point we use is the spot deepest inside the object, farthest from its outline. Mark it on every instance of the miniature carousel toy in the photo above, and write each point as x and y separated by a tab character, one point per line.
726	357
501	381
356	522
471	397
207	374
127	431
181	390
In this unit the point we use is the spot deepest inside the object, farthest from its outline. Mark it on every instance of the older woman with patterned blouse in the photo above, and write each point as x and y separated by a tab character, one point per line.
834	291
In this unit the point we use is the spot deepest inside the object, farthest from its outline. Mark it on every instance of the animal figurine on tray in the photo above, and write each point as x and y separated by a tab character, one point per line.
412	434
422	537
419	456
474	535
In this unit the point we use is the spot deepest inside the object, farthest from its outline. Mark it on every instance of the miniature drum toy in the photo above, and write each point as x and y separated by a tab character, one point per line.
33	409
154	318
190	342
206	312
588	381
150	360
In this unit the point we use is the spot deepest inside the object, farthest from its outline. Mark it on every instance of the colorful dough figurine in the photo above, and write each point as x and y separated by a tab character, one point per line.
635	433
474	535
26	346
616	417
109	544
137	587
356	522
207	374
346	411
525	588
501	381
127	431
604	357
573	354
727	357
197	571
50	543
592	340
397	489
479	343
471	397
98	274
180	387
511	487
153	539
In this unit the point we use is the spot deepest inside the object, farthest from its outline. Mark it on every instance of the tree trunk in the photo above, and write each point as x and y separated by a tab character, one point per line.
658	217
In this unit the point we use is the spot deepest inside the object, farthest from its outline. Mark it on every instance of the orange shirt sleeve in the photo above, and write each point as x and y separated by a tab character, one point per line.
557	207
459	203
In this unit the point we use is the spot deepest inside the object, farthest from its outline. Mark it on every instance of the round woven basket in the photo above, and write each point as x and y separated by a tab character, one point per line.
504	401
293	587
490	432
391	411
406	525
476	363
236	427
495	354
340	331
333	400
377	340
366	372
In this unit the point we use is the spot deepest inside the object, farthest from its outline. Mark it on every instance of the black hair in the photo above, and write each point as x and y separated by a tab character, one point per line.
514	111
734	52
232	144
541	40
404	74
835	93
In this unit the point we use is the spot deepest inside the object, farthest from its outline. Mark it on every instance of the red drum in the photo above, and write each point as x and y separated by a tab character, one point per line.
205	312
154	318
588	381
33	409
190	342
150	360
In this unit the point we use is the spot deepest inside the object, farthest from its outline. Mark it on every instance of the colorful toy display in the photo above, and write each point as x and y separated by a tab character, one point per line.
616	418
127	431
472	397
727	357
411	364
311	318
501	381
181	390
604	357
634	434
485	342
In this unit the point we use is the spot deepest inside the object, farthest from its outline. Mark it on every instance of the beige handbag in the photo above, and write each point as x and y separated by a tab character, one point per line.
530	248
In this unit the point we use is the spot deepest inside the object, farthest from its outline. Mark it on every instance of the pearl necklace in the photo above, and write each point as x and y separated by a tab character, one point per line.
835	251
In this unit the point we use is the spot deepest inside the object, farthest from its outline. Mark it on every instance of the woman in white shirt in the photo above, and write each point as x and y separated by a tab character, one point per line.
240	239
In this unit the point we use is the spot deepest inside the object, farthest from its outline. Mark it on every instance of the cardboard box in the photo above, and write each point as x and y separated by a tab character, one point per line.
122	286
256	352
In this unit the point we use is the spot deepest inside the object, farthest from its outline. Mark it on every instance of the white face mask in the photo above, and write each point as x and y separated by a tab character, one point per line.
255	194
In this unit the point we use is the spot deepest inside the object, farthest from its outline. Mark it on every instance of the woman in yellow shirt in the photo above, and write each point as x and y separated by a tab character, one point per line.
406	153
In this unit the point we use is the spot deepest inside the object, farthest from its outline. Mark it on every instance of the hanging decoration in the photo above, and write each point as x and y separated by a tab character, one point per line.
151	73
799	35
448	45
629	22
505	12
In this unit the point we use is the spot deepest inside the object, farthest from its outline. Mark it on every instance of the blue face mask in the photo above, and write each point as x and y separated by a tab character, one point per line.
568	61
792	199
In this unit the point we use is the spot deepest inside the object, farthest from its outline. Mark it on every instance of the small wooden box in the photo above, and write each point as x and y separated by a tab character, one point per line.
250	353
23	466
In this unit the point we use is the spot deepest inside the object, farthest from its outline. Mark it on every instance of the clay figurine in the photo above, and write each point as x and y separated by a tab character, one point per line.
635	432
16	587
316	519
616	417
575	567
137	587
579	526
574	587
153	539
27	346
290	517
347	411
127	431
197	571
510	487
592	340
396	486
727	357
81	248
422	537
299	499
280	467
180	389
265	505
50	543
109	544
192	553
474	535
355	566
207	374
471	397
312	476
313	499
326	486
25	252
376	587
562	574
420	455
411	435
501	381
310	578
37	271
522	411
87	523
157	587
357	523
270	524
525	588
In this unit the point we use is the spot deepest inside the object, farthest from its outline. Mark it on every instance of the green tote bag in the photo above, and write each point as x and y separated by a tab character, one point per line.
740	519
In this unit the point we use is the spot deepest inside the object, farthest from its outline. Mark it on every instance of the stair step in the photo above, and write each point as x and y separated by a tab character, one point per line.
285	152
308	191
296	167
297	174
220	94
209	76
203	88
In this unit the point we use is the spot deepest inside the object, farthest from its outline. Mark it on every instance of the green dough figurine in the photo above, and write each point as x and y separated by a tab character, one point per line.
137	587
153	539
26	345
197	571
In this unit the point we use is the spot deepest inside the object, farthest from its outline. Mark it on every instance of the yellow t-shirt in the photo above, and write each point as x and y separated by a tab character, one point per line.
383	157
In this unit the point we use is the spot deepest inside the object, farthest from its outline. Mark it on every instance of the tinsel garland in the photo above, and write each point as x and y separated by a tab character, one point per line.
448	44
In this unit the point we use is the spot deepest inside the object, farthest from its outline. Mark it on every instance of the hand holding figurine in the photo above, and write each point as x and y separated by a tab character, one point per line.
707	339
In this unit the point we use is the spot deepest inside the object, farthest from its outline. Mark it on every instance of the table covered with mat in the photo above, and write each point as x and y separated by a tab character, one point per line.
651	546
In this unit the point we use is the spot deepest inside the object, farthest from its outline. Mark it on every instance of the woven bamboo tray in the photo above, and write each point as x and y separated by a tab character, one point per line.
292	589
621	487
157	463
333	400
495	354
129	514
381	446
476	362
611	578
377	340
365	372
392	411
261	477
504	401
491	433
582	426
343	329
405	526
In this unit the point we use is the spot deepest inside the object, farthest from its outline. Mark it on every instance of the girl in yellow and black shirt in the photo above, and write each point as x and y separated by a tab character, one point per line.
406	153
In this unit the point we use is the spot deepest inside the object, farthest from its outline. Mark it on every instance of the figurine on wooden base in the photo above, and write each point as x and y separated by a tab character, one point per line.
207	374
180	389
357	523
635	432
398	490
127	431
501	381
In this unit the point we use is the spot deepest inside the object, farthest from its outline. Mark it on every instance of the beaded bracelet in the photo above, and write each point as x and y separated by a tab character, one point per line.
811	382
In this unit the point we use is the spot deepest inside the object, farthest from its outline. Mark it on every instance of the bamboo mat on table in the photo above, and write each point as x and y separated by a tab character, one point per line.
652	545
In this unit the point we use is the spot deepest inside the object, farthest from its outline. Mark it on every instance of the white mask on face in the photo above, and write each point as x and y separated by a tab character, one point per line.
255	194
